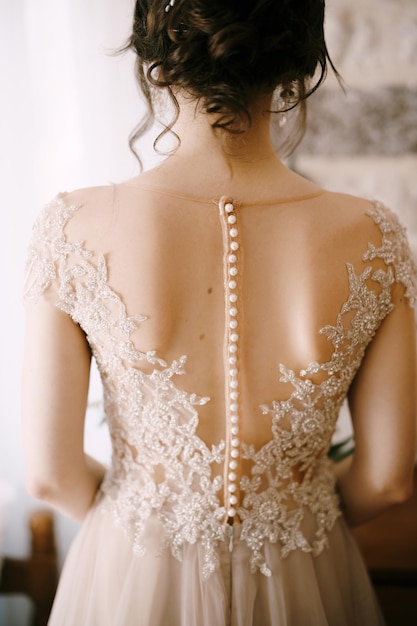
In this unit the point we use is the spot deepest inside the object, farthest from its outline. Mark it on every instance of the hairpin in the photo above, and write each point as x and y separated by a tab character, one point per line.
169	5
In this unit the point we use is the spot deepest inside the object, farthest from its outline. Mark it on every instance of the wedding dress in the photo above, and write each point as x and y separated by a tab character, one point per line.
220	505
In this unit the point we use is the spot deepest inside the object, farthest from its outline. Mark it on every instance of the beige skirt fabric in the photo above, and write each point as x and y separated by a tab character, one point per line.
104	583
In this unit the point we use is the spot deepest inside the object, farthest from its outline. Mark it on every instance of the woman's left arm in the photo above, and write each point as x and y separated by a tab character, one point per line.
55	385
382	401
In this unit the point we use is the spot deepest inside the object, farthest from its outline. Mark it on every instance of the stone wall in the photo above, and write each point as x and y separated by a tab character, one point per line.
364	140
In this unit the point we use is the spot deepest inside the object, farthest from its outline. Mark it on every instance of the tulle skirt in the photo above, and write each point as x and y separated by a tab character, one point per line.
104	583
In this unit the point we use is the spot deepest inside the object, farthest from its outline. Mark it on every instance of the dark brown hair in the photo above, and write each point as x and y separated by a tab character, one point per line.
225	53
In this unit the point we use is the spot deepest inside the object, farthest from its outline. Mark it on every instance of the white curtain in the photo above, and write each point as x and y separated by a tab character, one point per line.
66	110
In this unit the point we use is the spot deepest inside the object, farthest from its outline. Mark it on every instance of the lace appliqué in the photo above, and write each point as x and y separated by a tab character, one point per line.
78	279
160	467
394	250
302	428
48	247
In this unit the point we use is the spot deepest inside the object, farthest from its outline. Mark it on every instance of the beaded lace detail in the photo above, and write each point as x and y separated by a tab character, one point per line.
160	467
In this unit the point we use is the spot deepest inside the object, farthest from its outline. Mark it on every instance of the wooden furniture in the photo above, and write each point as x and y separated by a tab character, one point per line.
37	575
389	546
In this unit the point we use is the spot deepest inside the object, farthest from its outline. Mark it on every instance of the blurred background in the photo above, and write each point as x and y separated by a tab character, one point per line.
67	107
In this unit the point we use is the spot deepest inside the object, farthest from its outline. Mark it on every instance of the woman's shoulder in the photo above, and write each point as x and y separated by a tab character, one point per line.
347	205
84	213
89	200
65	226
84	200
382	234
363	213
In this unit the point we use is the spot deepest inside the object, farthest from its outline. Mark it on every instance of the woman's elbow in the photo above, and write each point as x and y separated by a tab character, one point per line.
366	495
41	487
394	492
400	492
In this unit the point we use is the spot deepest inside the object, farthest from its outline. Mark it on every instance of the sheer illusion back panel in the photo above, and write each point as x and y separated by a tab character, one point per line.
165	262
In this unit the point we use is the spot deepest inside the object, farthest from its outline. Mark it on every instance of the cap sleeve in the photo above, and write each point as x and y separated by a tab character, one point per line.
394	250
48	252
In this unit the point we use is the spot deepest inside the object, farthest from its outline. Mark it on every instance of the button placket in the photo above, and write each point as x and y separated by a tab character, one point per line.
231	277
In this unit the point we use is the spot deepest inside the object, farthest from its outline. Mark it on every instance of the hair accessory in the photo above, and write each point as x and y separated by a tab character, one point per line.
169	5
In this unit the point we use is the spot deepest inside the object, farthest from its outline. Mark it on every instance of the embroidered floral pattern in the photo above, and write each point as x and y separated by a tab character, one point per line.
160	467
394	249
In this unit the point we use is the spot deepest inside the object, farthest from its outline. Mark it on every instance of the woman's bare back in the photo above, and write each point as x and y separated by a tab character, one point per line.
227	331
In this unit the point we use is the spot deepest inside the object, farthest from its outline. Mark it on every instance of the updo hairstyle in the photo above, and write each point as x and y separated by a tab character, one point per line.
225	53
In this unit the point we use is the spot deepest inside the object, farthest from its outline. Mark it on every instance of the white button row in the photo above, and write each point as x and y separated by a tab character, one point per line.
233	351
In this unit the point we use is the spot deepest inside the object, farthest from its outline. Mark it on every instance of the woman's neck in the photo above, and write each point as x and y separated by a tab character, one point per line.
239	151
208	163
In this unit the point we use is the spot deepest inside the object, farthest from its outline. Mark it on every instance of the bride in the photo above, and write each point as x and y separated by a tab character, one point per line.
232	306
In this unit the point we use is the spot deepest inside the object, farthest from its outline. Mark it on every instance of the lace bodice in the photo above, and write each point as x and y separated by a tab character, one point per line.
160	466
